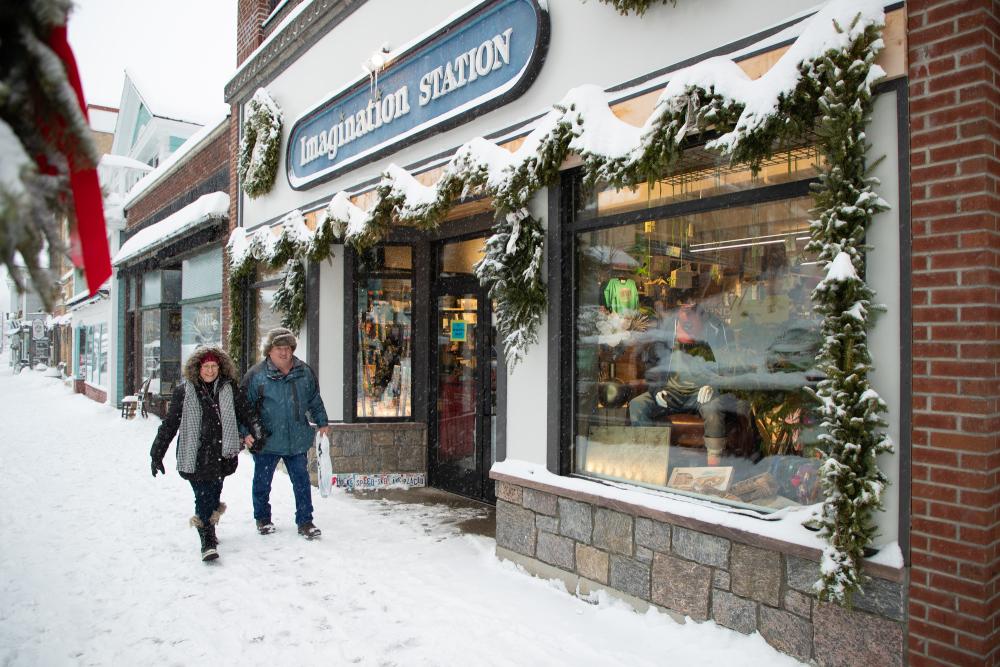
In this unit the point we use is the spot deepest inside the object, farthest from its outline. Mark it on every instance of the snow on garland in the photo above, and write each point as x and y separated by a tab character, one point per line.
821	84
258	160
624	7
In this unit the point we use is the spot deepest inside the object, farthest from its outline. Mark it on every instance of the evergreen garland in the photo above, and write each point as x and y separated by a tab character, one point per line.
41	128
258	159
851	410
831	97
624	7
240	277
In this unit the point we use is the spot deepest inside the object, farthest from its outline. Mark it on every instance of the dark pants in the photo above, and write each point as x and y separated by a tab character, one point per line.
643	410
206	497
263	473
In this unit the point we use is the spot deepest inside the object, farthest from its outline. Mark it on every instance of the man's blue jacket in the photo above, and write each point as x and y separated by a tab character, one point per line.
289	403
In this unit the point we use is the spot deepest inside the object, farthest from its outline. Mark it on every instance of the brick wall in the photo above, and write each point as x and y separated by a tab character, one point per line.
249	34
182	186
953	67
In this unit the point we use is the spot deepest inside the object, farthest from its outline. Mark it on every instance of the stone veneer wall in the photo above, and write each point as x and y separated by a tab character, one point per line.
749	585
378	448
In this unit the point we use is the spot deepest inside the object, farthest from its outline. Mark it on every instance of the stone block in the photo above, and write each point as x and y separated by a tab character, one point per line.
388	459
801	574
756	574
383	439
734	612
788	633
629	576
515	528
721	580
592	563
653	535
701	548
509	492
348	464
681	585
844	637
356	443
643	554
798	603
556	550
613	531
539	501
882	597
576	520
549	524
410	438
411	459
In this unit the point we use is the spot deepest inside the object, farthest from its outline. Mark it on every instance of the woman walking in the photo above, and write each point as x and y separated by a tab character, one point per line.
208	410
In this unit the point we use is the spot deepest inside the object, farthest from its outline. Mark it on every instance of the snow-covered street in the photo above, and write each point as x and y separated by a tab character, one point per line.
99	567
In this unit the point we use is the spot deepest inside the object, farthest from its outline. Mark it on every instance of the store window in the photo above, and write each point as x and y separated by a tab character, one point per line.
201	302
383	322
160	326
265	317
695	338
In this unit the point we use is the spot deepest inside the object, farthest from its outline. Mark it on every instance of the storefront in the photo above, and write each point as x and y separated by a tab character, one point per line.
642	392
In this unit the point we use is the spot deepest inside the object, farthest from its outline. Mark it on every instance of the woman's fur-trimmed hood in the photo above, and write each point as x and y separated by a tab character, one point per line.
227	369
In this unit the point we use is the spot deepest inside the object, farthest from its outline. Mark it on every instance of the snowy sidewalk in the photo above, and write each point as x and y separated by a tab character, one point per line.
99	567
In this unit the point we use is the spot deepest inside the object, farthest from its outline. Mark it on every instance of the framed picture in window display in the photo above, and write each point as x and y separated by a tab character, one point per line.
694	344
383	322
265	317
151	327
201	325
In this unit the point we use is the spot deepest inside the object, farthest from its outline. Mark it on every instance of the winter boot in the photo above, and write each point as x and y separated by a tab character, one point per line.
265	527
309	530
214	519
207	535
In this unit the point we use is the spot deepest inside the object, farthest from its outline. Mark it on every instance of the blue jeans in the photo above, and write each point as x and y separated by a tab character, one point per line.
263	473
206	498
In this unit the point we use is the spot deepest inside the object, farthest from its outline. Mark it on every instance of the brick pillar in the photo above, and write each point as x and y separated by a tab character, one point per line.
249	31
954	168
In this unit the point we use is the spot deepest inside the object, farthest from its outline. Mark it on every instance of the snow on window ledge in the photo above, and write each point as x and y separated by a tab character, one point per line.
781	531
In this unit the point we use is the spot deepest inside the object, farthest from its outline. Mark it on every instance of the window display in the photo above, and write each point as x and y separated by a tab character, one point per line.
201	324
384	330
695	341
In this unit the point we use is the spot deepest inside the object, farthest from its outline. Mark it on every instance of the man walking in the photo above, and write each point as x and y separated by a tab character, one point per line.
286	393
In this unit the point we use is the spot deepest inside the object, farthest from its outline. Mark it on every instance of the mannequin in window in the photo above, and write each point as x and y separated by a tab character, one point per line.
681	369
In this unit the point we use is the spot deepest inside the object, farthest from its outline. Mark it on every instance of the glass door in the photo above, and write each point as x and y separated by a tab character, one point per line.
463	375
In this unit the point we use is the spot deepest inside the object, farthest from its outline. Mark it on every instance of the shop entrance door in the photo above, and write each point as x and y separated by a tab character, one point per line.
462	428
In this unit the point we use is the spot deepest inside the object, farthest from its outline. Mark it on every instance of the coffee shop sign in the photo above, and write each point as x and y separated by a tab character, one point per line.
478	62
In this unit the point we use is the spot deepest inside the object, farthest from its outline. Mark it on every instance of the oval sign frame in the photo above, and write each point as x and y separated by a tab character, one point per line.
508	65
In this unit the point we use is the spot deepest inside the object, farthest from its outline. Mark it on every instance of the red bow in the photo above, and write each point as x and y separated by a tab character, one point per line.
86	188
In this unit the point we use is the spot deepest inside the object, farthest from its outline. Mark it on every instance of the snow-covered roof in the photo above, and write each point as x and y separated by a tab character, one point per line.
167	165
193	100
112	160
102	119
208	207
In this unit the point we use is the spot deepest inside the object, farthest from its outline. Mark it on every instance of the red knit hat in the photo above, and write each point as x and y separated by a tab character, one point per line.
210	356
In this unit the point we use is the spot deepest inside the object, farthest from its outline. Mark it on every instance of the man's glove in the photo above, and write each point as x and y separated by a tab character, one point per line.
705	394
157	465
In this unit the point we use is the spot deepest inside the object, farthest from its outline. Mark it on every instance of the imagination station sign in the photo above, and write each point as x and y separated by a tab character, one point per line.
477	62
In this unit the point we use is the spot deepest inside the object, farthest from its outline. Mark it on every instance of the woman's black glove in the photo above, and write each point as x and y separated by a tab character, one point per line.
157	465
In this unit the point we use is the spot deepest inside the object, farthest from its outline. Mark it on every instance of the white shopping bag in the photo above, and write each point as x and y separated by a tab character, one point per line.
324	466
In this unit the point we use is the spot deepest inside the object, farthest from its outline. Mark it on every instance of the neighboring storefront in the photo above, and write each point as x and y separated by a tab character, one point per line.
170	265
653	429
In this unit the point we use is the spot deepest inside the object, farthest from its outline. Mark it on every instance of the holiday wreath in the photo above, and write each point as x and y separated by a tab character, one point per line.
258	160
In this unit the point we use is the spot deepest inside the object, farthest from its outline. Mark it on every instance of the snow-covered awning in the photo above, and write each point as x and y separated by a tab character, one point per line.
210	207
